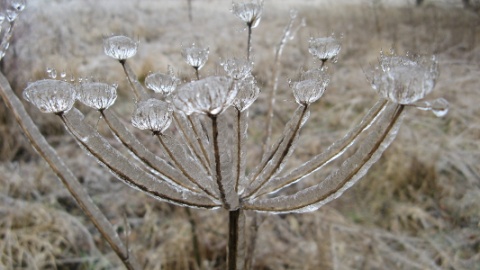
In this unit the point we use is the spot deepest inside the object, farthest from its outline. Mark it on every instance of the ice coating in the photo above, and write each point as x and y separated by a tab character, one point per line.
324	48
311	86
237	68
152	114
120	47
161	83
248	92
439	106
404	80
211	95
50	96
195	56
250	13
97	95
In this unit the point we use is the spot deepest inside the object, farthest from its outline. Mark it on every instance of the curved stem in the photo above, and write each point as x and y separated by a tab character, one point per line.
137	88
69	180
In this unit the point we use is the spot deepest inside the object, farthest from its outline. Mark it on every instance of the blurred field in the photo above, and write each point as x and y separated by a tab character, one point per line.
418	208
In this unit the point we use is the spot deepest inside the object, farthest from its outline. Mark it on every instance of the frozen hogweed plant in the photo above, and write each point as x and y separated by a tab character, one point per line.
202	127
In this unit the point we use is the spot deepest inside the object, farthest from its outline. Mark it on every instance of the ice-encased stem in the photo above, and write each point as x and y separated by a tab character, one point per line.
241	123
43	148
378	139
186	165
276	157
329	155
130	174
228	196
142	153
138	90
288	34
236	240
193	141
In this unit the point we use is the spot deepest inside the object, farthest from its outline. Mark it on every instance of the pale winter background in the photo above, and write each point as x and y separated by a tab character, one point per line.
418	208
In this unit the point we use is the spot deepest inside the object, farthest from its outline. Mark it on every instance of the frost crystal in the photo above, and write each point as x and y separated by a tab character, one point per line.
161	83
404	80
211	95
50	96
238	69
195	56
247	93
324	48
97	95
153	114
120	47
250	13
311	86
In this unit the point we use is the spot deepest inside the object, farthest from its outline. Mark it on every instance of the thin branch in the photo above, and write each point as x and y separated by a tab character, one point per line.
333	152
72	184
177	157
142	153
132	175
355	167
277	157
288	34
138	90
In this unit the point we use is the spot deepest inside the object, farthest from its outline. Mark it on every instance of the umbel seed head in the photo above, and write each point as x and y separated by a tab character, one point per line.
120	47
195	56
404	79
50	96
211	95
250	13
97	95
153	114
248	92
324	48
311	86
162	83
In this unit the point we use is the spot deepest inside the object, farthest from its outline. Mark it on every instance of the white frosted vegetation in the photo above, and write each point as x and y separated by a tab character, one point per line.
324	48
211	95
153	114
195	56
202	160
50	96
120	47
404	80
311	86
97	95
250	12
162	83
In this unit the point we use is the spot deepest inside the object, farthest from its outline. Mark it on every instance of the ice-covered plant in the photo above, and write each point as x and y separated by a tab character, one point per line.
204	158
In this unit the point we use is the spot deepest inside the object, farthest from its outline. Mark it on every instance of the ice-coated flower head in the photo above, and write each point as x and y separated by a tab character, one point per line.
238	69
120	47
152	114
248	92
250	13
211	96
97	95
311	86
50	96
162	83
195	56
404	79
324	48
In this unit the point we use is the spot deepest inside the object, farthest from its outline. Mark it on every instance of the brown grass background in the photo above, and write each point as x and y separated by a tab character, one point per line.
417	208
